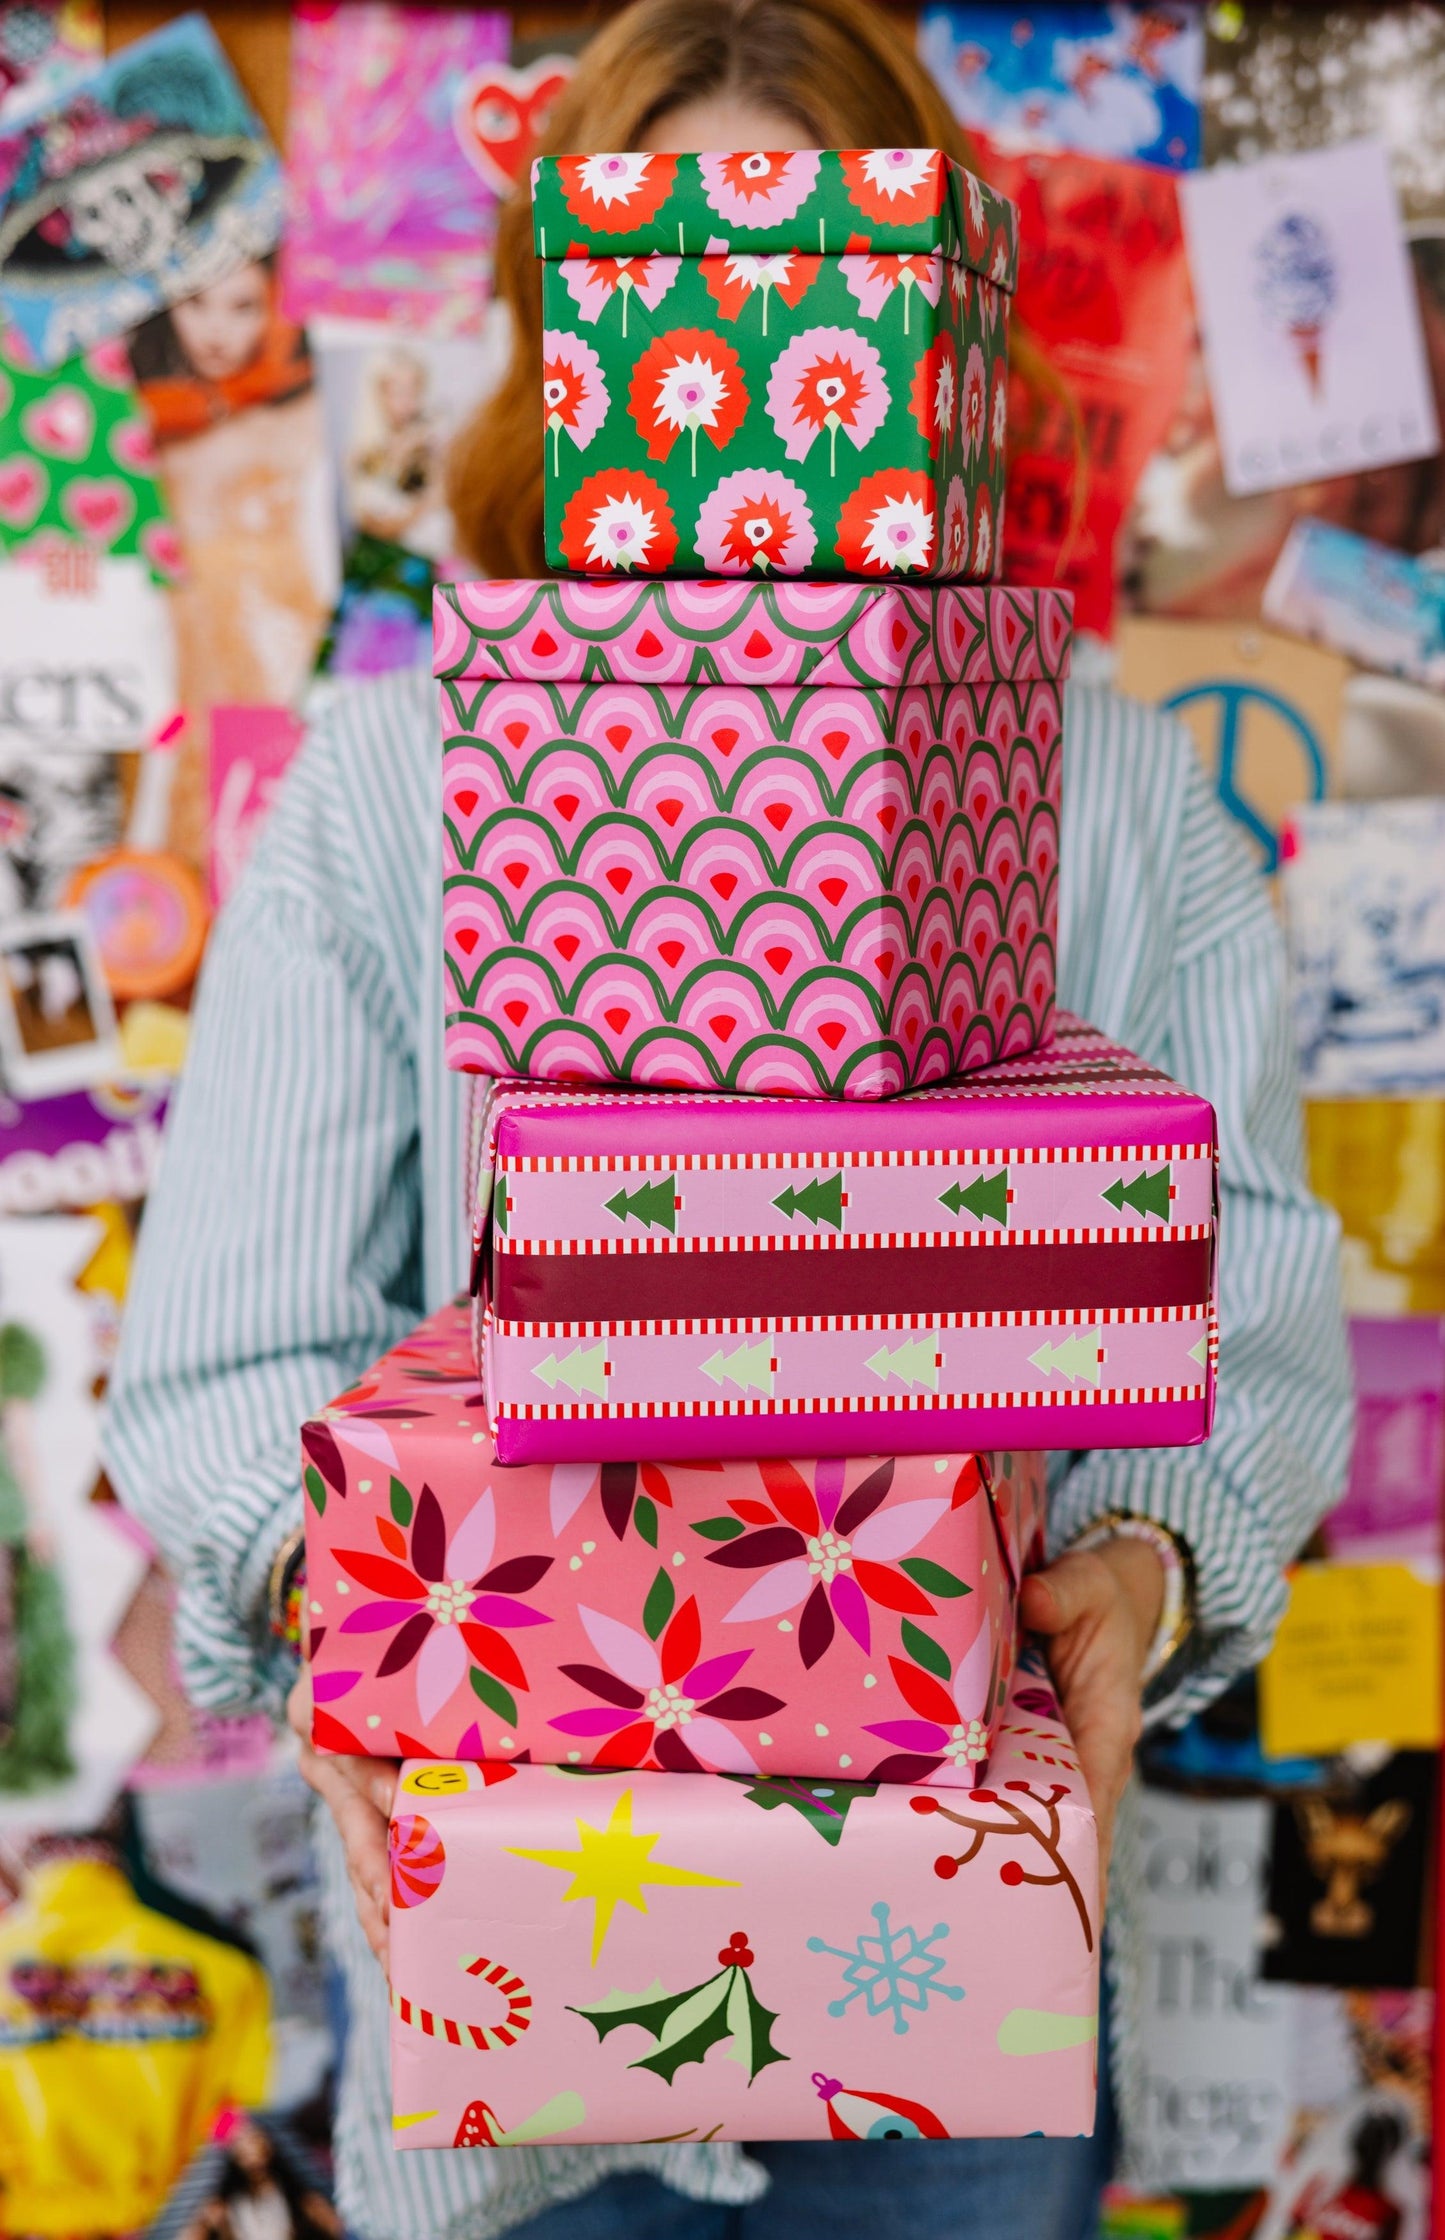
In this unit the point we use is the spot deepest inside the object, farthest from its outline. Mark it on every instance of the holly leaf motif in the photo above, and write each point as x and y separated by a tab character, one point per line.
825	1805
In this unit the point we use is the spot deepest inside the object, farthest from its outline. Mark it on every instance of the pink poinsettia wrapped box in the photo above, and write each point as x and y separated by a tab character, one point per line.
799	838
817	1617
1024	1258
630	1957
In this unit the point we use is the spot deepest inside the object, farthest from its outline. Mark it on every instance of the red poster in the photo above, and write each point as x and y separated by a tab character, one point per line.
1104	292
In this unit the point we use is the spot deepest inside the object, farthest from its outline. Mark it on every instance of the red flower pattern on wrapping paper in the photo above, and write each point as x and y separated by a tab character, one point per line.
615	193
827	378
831	1552
998	414
758	187
574	391
935	393
941	1736
686	382
444	1602
593	282
755	521
975	402
874	280
889	525
975	223
983	537
617	521
894	185
661	1699
733	281
953	559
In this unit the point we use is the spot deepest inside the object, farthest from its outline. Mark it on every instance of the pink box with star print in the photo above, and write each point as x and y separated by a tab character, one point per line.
795	838
628	1957
808	1617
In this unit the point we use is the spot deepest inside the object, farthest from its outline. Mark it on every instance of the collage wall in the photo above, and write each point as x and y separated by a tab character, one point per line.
232	358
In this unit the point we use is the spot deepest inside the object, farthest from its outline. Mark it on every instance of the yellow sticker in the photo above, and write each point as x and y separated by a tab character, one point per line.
436	1781
1356	1659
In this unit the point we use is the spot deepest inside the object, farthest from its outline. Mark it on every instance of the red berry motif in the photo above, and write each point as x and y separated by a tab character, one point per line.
736	1953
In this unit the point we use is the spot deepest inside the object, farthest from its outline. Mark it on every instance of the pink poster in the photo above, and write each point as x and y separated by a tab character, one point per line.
387	218
250	749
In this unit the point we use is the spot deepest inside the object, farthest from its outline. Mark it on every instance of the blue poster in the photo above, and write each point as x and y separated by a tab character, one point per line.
1120	80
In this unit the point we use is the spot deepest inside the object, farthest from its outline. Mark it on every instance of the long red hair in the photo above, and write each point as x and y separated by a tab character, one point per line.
839	69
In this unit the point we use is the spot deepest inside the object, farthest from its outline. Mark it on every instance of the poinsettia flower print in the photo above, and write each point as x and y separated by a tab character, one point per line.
759	189
690	381
758	522
831	1553
975	224
661	1698
983	537
733	281
618	521
875	279
935	393
444	1602
889	526
616	193
827	377
998	414
939	1738
594	282
975	402
953	560
574	392
894	185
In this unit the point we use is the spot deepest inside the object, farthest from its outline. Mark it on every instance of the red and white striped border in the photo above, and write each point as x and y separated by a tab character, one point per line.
792	1162
830	1240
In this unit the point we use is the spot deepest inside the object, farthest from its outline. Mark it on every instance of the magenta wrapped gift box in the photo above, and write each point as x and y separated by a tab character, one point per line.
799	838
1024	1259
638	1956
807	1617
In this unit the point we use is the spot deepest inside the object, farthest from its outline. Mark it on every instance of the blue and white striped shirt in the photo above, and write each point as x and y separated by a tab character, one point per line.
309	1211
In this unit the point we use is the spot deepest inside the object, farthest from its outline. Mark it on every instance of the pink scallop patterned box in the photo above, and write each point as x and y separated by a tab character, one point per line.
644	1956
789	837
821	1618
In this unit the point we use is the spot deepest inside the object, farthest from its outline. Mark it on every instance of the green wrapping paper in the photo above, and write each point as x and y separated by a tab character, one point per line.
774	364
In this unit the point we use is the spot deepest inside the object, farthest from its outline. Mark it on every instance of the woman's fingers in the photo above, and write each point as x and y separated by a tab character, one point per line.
357	1792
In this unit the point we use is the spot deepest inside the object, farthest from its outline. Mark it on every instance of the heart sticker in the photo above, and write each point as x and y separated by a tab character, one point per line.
98	508
500	113
61	424
23	484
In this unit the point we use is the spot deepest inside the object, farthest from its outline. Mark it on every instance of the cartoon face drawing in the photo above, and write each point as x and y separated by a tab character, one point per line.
133	209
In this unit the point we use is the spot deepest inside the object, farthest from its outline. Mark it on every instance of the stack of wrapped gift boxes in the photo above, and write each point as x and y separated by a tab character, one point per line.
682	1566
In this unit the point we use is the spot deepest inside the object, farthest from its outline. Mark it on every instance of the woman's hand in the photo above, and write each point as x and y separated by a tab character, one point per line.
1099	1611
357	1792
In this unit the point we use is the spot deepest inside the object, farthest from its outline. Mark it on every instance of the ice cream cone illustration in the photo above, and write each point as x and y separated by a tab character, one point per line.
1297	285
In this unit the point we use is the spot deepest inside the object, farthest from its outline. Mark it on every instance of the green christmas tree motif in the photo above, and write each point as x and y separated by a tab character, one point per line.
822	1198
1076	1357
825	1805
987	1199
654	1204
585	1369
686	2024
916	1361
1146	1194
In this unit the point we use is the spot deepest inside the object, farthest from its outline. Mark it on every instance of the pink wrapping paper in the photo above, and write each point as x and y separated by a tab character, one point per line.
635	1957
817	1618
799	838
1023	1259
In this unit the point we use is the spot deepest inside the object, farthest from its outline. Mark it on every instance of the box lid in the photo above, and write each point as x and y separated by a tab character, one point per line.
819	201
662	631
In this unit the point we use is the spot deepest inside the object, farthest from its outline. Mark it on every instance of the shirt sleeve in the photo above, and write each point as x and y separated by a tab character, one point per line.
1245	1501
280	1249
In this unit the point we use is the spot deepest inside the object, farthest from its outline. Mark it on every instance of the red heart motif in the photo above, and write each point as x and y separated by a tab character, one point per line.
958	878
466	802
724	739
957	1017
649	645
619	878
980	942
566	946
888	817
884	964
1005	867
566	806
98	508
722	1024
617	1017
832	1033
777	814
131	445
544	644
758	647
22	492
910	1028
998	1004
671	952
669	811
467	939
723	882
837	743
980	803
499	114
61	423
778	958
516	734
833	890
514	873
938	812
935	955
913	886
516	1010
618	735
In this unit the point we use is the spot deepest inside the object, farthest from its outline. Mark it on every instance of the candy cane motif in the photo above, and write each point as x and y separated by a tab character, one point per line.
480	2035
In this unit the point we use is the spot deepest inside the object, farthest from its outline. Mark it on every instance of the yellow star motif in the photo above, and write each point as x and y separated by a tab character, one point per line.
611	1865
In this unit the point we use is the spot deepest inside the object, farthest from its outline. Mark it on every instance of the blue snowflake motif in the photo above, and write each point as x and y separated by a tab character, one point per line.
894	1971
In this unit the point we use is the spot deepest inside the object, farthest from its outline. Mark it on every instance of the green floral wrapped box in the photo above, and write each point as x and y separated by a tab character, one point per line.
788	364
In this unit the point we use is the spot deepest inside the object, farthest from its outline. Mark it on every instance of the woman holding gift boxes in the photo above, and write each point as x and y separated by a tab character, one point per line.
308	1213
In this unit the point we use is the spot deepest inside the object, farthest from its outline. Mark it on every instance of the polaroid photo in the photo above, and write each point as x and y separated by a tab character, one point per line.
57	1021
